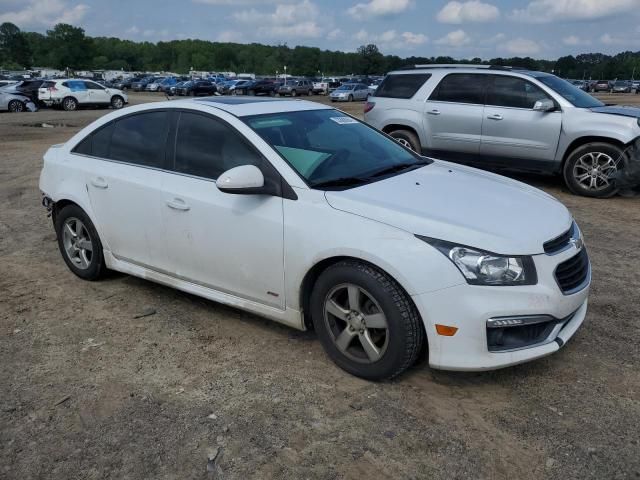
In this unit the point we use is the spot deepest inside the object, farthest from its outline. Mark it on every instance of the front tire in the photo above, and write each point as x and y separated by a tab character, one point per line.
69	104
590	169
367	324
350	99
408	139
79	243
294	93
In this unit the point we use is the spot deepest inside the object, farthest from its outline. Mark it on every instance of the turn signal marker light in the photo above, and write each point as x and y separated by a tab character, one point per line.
446	330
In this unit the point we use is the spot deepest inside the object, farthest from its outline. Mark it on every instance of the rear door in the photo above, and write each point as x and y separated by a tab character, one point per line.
453	114
78	90
512	130
124	186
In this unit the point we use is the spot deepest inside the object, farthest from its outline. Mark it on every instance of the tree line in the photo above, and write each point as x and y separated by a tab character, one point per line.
66	46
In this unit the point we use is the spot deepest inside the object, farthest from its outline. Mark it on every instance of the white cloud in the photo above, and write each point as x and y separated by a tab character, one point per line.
391	39
471	11
547	11
414	38
455	39
233	36
335	34
45	13
133	30
609	39
379	8
574	41
521	47
291	20
236	3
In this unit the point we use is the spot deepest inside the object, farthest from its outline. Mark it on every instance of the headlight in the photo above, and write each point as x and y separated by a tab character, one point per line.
484	268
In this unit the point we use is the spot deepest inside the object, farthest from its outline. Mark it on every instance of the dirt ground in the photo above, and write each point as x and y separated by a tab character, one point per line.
90	388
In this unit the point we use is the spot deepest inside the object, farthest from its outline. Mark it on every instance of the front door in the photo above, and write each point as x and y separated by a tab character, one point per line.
511	130
231	243
453	115
97	93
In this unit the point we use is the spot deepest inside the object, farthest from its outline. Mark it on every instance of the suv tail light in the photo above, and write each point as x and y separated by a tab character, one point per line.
52	89
369	106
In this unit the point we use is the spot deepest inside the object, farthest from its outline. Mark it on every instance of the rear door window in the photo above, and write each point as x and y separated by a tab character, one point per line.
140	139
513	92
461	88
402	85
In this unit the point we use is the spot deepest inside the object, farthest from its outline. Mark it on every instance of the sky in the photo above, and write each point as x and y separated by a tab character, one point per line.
461	29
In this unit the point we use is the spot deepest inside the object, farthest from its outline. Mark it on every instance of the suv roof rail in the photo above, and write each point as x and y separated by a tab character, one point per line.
460	65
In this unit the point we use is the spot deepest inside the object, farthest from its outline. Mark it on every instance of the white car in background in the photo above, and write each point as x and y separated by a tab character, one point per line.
300	213
13	102
72	93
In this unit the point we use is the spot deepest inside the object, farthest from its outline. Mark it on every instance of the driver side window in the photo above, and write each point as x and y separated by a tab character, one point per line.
505	91
206	147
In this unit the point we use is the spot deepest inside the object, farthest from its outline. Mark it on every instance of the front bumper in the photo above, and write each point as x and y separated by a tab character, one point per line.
469	307
338	99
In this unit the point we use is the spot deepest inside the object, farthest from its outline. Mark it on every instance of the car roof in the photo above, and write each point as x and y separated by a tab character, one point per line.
242	107
482	69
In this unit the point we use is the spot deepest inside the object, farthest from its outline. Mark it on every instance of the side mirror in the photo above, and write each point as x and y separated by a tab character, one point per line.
242	180
545	105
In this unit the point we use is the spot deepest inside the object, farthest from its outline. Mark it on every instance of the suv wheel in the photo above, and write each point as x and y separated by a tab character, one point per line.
117	102
79	243
366	323
294	93
590	169
69	104
408	139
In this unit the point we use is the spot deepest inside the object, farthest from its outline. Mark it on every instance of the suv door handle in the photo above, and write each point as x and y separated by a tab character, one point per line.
178	204
435	111
495	116
99	182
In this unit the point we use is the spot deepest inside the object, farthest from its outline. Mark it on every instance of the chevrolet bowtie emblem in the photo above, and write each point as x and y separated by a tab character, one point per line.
577	242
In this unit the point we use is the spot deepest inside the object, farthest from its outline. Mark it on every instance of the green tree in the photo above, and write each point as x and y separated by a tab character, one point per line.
69	47
14	47
371	60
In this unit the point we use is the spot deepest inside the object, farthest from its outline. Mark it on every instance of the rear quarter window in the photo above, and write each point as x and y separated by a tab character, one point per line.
402	85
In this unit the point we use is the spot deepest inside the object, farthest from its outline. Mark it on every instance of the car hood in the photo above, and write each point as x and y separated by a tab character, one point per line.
462	205
618	110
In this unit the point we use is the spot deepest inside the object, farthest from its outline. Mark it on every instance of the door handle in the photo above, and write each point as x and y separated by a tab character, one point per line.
435	111
178	204
99	182
495	116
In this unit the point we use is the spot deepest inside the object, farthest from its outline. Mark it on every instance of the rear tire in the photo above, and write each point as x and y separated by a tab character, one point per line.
16	106
79	243
408	139
69	104
377	333
117	102
350	99
588	170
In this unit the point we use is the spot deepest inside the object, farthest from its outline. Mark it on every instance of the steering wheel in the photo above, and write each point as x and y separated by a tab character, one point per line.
325	166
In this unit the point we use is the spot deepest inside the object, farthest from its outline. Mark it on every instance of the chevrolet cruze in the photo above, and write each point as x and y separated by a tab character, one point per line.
300	213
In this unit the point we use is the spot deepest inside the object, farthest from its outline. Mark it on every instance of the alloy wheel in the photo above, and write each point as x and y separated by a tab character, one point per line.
77	243
594	171
16	106
356	323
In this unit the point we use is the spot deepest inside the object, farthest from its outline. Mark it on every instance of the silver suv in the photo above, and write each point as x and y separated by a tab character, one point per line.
497	117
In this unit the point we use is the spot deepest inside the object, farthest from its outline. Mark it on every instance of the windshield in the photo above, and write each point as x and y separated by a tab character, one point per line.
331	150
621	84
345	87
571	93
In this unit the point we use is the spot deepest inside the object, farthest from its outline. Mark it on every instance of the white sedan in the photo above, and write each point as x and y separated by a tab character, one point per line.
72	93
297	212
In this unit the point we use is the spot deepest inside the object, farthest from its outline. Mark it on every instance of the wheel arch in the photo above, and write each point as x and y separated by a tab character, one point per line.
312	275
581	141
399	126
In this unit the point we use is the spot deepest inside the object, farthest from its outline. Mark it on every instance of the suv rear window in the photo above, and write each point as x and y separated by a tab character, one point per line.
402	85
461	88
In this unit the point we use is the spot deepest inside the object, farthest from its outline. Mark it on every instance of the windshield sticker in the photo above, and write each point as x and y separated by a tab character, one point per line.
343	120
